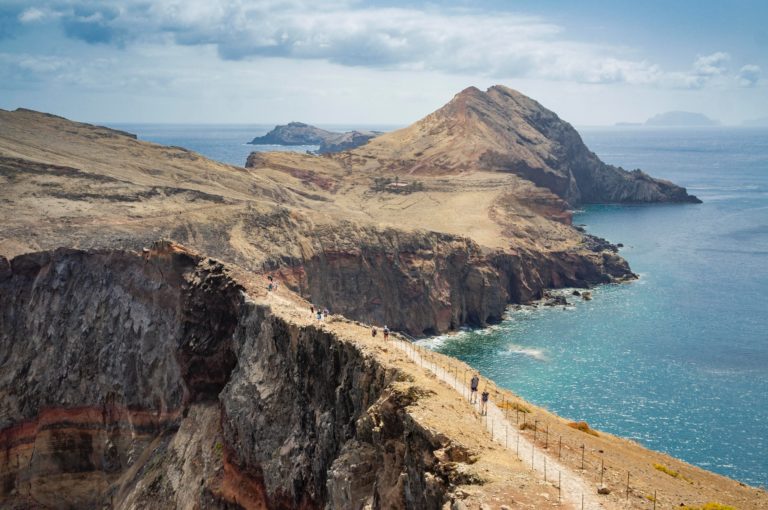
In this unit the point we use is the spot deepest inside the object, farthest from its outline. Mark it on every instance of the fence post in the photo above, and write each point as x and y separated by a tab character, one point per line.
582	456
546	438
602	470
559	447
627	484
545	468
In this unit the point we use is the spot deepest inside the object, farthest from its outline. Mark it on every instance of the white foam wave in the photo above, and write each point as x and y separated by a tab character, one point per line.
537	354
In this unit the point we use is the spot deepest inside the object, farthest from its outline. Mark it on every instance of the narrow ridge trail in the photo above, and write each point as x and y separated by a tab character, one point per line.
573	486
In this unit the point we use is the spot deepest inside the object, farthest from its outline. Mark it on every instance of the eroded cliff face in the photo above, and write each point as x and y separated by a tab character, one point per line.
131	381
426	283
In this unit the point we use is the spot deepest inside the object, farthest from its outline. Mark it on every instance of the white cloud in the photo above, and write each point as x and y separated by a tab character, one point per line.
31	15
501	45
749	75
711	65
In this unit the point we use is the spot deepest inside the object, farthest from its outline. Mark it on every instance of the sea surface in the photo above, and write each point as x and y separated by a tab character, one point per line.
227	143
677	360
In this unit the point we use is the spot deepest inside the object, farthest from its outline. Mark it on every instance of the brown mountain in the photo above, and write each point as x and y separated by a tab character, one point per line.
142	374
502	130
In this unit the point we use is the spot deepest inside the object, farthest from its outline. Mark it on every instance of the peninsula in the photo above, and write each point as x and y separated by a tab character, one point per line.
145	363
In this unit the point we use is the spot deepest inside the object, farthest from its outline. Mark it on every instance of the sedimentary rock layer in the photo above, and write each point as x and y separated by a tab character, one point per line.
134	380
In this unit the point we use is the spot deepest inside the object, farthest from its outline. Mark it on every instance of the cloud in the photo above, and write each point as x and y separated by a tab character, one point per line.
749	75
498	45
711	65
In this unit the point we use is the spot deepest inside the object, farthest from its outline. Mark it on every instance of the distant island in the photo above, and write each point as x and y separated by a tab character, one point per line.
678	118
299	133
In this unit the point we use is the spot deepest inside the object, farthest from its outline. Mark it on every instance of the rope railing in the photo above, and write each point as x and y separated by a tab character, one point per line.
549	452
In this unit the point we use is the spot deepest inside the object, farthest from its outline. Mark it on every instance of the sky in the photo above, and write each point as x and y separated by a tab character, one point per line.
380	63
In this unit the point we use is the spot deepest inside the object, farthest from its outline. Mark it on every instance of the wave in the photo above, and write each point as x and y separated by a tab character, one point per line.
537	354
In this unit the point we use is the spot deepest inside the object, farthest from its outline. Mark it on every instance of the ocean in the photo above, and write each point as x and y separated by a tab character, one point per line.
677	360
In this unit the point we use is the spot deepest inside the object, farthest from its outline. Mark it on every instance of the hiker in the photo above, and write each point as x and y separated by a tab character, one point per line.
473	384
311	310
373	331
269	287
386	332
319	314
325	313
484	404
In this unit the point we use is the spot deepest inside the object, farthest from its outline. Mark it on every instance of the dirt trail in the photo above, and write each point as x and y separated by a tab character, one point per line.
573	486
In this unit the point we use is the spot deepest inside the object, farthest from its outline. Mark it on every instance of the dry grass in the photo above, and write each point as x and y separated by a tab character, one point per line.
584	427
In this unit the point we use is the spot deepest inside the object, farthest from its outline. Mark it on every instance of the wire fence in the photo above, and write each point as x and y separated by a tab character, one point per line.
536	438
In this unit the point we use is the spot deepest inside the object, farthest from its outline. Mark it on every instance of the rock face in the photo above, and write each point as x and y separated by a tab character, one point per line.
502	130
426	283
153	381
346	141
298	133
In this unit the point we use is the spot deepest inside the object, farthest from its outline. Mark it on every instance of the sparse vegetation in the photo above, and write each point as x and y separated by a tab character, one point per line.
709	506
528	425
584	427
389	185
514	406
670	472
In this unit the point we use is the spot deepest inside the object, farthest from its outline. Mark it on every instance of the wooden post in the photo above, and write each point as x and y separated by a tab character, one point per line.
602	470
560	447
627	484
545	468
546	439
582	456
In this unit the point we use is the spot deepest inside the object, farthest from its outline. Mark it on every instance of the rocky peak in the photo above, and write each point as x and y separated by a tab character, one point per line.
503	130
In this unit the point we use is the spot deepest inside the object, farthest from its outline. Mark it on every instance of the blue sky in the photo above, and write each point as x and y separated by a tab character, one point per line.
387	62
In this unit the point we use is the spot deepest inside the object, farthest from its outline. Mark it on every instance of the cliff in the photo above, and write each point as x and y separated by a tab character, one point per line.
168	380
453	252
135	381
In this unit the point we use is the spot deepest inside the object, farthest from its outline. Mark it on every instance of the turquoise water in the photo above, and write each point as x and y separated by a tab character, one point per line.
677	360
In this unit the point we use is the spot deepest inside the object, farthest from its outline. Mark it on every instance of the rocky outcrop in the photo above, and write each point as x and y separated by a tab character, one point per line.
298	133
503	130
133	381
294	133
346	141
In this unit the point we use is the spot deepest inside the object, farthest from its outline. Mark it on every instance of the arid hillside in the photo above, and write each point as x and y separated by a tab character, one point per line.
422	255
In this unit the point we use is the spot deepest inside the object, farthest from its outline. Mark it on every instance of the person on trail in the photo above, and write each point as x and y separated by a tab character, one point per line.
484	404
473	384
269	287
386	332
311	310
319	314
325	313
373	331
